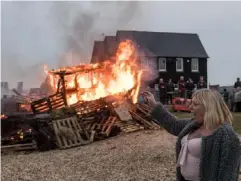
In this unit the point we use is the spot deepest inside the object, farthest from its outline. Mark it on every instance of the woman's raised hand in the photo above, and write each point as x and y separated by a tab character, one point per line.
149	99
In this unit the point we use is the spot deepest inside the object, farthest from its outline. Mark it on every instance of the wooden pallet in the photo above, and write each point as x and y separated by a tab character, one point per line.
145	121
92	125
142	115
69	133
107	125
128	126
103	127
20	147
87	108
145	109
48	104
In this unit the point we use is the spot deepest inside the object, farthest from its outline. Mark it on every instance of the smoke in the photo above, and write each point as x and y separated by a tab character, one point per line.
82	24
76	31
56	34
27	42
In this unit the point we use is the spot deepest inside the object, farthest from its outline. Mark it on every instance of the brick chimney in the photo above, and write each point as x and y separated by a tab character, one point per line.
5	85
20	87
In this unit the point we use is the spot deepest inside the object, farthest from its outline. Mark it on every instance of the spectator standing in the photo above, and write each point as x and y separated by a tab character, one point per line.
170	91
225	96
162	91
201	83
181	87
237	83
190	87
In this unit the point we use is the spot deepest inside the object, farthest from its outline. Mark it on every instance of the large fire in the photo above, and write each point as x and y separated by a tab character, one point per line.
93	81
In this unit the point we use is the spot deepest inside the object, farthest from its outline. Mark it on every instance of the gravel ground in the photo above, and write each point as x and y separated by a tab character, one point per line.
145	155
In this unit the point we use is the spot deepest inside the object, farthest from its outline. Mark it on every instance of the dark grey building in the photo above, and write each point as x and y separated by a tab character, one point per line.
170	55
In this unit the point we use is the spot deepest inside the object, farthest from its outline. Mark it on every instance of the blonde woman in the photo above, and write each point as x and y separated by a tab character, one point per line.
207	147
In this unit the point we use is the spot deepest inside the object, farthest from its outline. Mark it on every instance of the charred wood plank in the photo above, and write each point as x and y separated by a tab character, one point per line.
107	125
19	147
145	123
122	112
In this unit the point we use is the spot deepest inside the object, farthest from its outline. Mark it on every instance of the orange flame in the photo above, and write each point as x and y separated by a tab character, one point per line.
52	79
107	78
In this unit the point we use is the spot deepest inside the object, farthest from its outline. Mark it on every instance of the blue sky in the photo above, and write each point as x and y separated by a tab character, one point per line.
37	33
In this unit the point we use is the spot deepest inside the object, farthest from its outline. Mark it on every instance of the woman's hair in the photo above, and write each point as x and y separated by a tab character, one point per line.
216	110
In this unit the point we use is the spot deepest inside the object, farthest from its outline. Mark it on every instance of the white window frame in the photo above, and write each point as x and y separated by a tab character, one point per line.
181	69
197	62
144	62
159	62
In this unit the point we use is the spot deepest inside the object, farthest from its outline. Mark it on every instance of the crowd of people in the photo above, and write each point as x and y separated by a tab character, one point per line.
182	89
166	91
227	95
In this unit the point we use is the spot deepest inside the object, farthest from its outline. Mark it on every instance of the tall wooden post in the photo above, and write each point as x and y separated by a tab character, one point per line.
63	91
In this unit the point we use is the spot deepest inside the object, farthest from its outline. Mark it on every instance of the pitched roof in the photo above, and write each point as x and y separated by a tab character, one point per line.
110	45
110	39
98	51
165	44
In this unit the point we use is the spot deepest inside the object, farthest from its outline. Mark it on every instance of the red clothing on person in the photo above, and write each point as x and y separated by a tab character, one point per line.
181	85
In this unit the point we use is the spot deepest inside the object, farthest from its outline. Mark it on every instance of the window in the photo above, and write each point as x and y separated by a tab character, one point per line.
144	63
162	64
194	65
179	65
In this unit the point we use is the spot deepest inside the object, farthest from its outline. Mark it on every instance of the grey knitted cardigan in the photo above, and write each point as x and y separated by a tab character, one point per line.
220	152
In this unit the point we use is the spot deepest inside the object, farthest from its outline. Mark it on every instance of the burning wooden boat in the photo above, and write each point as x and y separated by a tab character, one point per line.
103	97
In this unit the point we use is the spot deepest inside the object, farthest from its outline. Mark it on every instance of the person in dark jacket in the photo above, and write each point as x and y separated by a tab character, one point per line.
207	148
225	96
190	86
237	83
201	83
181	87
170	91
162	91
